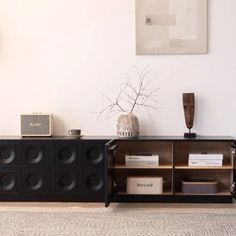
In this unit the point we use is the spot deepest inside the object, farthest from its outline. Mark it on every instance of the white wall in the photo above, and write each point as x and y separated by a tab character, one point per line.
61	56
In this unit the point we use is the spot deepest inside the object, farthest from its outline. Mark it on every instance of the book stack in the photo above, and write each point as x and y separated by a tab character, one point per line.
141	159
205	159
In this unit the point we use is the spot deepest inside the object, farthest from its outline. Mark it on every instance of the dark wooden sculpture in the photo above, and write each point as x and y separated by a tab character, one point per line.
189	105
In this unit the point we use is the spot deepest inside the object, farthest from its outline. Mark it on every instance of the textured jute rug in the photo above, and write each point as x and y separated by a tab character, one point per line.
116	221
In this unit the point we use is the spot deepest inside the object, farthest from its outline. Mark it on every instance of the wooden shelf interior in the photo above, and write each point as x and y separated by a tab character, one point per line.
163	149
221	193
122	174
224	178
163	166
186	166
179	170
183	149
165	192
164	169
177	167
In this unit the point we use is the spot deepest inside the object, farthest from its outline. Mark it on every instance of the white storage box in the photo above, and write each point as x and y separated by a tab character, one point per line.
141	159
144	185
205	159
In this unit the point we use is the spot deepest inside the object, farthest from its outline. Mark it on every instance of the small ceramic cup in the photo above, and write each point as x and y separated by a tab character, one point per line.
74	132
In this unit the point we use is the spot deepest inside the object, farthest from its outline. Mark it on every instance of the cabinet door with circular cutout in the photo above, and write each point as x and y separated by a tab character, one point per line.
67	182
93	183
8	153
94	153
35	182
67	153
9	182
35	153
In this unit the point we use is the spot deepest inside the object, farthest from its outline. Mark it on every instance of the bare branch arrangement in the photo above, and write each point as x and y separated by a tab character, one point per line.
131	97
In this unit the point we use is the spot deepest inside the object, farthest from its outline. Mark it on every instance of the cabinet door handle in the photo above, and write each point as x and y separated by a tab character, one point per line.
233	189
113	147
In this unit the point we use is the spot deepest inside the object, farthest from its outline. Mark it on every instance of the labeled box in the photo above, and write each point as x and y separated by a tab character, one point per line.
144	185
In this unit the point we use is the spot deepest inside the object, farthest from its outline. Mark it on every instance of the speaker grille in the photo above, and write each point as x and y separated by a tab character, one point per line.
34	182
94	182
94	155
36	125
66	182
7	154
7	182
66	155
33	155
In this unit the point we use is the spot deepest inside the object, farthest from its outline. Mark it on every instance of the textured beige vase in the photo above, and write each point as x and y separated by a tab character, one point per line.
128	125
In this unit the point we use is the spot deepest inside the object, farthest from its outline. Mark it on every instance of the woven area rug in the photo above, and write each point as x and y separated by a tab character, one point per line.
116	221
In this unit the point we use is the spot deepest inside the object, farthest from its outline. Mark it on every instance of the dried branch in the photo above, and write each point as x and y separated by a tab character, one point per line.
131	95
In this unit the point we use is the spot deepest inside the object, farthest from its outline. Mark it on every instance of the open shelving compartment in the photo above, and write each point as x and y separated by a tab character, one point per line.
222	174
122	171
173	167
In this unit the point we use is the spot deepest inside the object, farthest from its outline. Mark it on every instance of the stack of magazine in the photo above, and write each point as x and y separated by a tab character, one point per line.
205	159
145	159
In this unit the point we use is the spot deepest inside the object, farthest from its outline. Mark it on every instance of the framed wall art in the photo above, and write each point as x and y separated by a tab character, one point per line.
171	26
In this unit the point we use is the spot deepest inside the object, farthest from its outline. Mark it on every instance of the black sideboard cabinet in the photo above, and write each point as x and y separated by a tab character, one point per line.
92	169
52	169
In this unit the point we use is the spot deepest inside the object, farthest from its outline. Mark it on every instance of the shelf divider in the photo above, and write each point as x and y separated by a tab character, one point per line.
164	166
221	193
186	166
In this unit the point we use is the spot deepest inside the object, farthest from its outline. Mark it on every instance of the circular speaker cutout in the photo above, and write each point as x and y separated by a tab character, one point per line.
33	155
94	182
67	155
7	155
66	182
94	155
7	182
34	182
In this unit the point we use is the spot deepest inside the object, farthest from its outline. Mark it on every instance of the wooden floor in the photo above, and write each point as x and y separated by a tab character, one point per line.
123	205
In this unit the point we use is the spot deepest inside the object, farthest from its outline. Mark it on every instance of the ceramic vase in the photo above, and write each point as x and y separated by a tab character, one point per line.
128	125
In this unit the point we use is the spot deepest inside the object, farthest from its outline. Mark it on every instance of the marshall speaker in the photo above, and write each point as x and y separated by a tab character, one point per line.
36	124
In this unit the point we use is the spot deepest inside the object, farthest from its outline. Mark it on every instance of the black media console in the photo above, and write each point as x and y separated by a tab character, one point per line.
92	169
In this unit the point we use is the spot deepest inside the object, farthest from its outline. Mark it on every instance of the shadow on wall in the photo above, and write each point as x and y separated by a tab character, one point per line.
0	44
197	115
58	126
148	126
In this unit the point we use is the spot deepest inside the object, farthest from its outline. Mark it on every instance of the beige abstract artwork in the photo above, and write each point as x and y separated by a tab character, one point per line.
171	26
